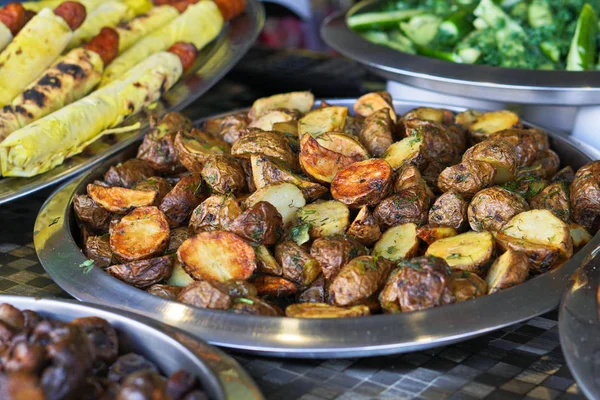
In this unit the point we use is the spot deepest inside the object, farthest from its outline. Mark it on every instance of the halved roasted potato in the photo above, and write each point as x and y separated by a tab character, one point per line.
224	175
297	263
333	252
466	118
398	243
491	122
364	228
430	234
450	210
541	227
377	132
322	310
326	218
217	255
179	277
274	286
585	196
301	101
143	273
286	198
260	223
289	128
128	173
90	213
268	119
528	143
497	152
323	120
155	184
195	148
372	102
554	198
409	177
141	234
182	199
440	145
438	115
364	183
549	161
467	286
269	144
410	150
541	257
358	280
119	200
216	213
510	269
265	262
408	205
231	127
467	178
566	175
579	235
466	252
492	208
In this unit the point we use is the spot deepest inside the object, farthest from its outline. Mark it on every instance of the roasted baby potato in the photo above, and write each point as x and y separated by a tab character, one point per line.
528	143
297	263
431	174
119	200
240	288
141	234
323	120
321	310
286	198
182	199
408	205
90	213
272	145
128	173
440	145
143	273
467	286
301	101
206	294
491	122
358	280
467	178
216	213
176	237
179	277
566	175
418	284
333	252
450	209
376	133
255	306
195	148
274	286
232	127
554	198
409	177
398	243
217	255
315	293
510	269
466	118
372	102
155	184
410	150
364	183
158	146
224	175
492	208
541	257
497	152
267	120
469	251
260	223
265	262
430	234
549	161
585	196
165	291
437	115
364	228
326	218
97	248
579	235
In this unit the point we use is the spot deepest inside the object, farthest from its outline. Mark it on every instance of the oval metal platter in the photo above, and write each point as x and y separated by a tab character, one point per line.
213	62
169	348
475	81
302	338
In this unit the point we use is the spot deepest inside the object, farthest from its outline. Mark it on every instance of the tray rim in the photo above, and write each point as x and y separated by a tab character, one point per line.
301	338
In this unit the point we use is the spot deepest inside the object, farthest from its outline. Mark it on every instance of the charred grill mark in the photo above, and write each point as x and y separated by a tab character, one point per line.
71	69
137	85
35	96
163	86
130	107
51	81
7	109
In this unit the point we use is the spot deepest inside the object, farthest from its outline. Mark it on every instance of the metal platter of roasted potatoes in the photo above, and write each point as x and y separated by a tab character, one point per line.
329	229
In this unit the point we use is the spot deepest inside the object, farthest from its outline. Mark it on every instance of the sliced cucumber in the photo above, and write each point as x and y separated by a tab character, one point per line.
421	29
380	20
539	13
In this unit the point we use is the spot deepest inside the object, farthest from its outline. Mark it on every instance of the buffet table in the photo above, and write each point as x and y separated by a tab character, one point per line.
523	360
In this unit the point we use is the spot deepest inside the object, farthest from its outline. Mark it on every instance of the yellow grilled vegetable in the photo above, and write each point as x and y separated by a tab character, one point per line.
108	14
132	31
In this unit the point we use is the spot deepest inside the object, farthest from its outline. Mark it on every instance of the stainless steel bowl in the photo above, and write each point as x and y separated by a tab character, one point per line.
169	348
302	338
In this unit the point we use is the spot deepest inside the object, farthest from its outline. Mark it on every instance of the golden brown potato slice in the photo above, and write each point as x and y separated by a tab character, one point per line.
141	234
500	154
466	118
541	257
410	150
430	234
492	208
322	310
467	178
155	184
297	263
376	133
265	262
274	286
549	161
218	256
260	223
510	269
585	196
364	228
364	183
438	115
450	209
541	227
143	273
326	218
182	199
398	243
195	148
554	198
267	120
466	252
323	120
491	122
579	235
286	198
371	102
301	101
224	175
216	213
359	280
535	171
467	286
119	200
273	145
333	252
179	277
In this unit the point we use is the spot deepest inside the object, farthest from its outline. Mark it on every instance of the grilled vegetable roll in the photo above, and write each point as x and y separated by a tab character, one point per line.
12	18
109	14
38	44
199	24
135	29
44	144
73	77
37	6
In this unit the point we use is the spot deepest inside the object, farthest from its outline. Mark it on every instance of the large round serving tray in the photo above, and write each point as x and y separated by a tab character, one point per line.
302	338
475	81
213	62
170	349
579	327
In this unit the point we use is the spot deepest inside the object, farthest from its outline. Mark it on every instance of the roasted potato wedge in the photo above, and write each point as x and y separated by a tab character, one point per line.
141	234
224	175
500	154
579	235
217	255
179	277
440	145
585	196
272	145
289	127
128	173
297	263
232	127
437	115
326	218
216	213
466	118
268	119
549	161
195	148
372	102
165	291
323	120
408	205
410	150
527	187
450	210
274	286
510	269
206	294
358	280
554	198
467	178
354	125
158	146
265	262
155	184
467	286
260	223
90	213
119	200
376	133
97	248
541	257
321	310
333	252
182	199
286	198
528	143
301	101
364	183
409	177
491	122
469	251
364	228
398	243
143	273
492	208
430	234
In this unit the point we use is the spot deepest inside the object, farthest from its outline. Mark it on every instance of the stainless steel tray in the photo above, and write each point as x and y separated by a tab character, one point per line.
170	349
290	337
213	62
475	81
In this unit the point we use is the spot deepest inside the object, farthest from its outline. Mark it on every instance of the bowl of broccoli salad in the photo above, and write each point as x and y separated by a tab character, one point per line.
533	34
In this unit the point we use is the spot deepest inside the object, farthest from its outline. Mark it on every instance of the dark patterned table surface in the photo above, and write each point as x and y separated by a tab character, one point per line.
521	361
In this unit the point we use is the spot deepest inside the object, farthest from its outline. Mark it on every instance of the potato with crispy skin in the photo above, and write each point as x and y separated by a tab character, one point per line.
354	125
240	288
158	146
409	177
315	293
398	243
217	255
266	262
267	121
466	252
493	121
128	173
410	150
467	178
274	286
323	120
165	291
497	152
215	214
535	171
450	209
566	175
549	161
232	127
372	102
141	234
492	208
195	148
364	183
430	234
224	175
255	306
431	174
555	198
322	310
510	269
364	228
466	118
333	252
143	273
528	143
408	205
297	263
301	101
376	133
182	199
272	145
90	213
260	223
326	218
156	184
97	248
541	257
176	237
285	197
119	200
440	144
585	196
437	115
418	284
358	280
206	294
467	286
